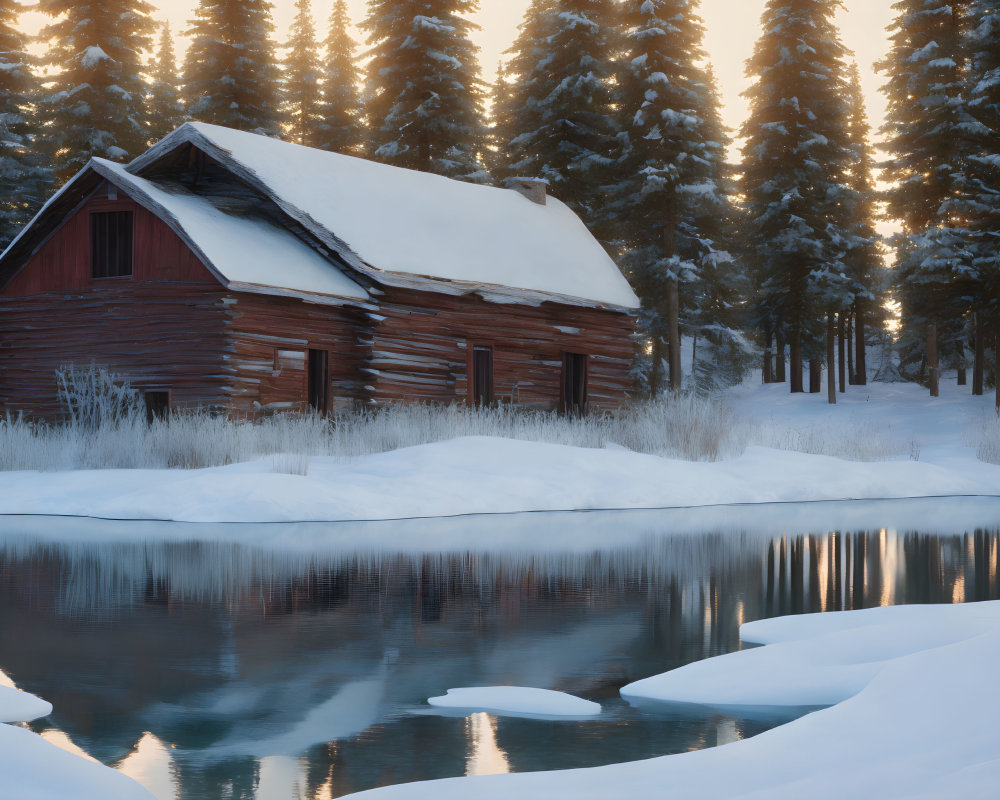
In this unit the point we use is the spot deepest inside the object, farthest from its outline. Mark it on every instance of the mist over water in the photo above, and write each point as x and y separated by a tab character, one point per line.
295	661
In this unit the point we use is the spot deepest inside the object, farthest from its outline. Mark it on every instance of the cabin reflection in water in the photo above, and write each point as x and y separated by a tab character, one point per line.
199	667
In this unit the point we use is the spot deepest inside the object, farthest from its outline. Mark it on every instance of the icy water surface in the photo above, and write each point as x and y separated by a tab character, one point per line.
285	662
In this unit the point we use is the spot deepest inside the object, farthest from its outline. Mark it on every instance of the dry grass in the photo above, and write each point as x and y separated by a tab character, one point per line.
687	427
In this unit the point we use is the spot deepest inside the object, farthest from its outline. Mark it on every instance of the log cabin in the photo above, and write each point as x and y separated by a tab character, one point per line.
226	270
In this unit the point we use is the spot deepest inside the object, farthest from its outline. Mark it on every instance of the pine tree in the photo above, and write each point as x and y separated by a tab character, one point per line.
425	107
95	104
563	103
794	179
928	138
721	351
667	182
302	99
983	187
340	125
166	112
230	73
500	122
24	180
514	104
862	258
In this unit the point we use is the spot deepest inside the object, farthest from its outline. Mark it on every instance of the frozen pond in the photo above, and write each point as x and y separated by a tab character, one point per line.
295	661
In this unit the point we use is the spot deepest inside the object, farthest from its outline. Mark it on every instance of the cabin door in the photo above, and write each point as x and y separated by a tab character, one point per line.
319	380
574	383
482	376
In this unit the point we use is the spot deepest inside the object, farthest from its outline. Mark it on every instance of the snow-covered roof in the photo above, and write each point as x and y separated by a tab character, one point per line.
405	228
246	254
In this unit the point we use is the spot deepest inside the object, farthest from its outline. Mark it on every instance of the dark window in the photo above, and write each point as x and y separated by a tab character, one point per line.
111	244
482	376
574	383
319	380
157	405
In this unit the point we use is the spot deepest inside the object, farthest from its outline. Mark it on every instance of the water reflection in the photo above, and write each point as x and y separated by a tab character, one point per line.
485	756
220	669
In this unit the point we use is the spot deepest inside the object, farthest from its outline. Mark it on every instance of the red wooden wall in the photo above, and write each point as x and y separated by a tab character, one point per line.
269	340
63	263
422	347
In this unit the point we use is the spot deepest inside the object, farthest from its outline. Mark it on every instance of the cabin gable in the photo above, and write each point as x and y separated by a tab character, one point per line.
63	263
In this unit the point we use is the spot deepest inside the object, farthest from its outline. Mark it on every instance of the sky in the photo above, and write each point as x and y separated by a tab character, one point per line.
732	26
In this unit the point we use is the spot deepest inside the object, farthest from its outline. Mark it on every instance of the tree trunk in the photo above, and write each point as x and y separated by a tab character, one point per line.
831	366
674	323
815	376
694	362
779	372
673	305
768	357
979	359
852	378
841	362
860	363
656	373
933	372
996	366
795	362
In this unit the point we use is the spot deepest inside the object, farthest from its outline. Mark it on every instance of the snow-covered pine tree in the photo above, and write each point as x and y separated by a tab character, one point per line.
515	106
230	72
562	101
927	132
794	177
721	351
666	177
500	123
95	102
425	95
984	174
863	260
24	179
301	98
340	125
166	111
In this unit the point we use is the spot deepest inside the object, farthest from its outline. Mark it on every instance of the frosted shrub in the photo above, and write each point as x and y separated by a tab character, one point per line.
95	397
985	437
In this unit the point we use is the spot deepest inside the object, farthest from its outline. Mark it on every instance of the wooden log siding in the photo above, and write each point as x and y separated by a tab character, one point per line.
162	335
270	338
422	349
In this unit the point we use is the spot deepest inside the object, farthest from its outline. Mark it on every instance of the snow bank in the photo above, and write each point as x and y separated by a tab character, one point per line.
33	769
476	475
920	724
18	706
814	659
516	701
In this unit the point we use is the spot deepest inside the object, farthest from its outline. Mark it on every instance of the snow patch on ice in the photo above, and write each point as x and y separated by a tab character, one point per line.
517	701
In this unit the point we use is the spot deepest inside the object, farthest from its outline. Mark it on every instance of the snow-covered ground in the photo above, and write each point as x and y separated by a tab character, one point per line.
473	475
34	769
916	717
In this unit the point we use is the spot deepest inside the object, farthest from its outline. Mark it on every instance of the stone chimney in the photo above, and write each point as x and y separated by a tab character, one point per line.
532	188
